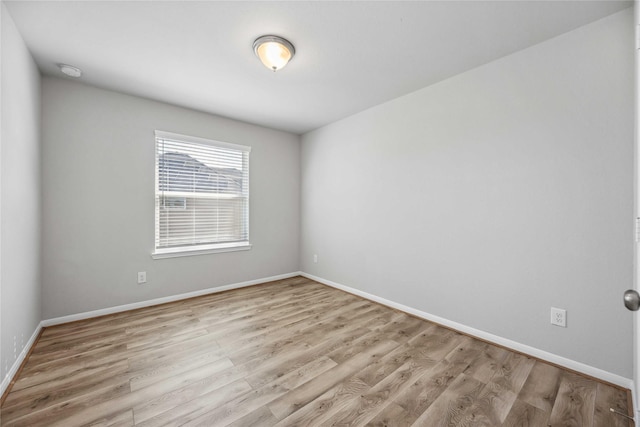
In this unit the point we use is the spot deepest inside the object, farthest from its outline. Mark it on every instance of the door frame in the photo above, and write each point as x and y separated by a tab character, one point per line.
636	259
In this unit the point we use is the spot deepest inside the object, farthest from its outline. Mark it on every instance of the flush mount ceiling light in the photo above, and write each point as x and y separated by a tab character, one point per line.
69	70
274	52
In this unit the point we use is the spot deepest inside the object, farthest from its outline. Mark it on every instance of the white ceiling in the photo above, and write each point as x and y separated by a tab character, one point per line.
350	55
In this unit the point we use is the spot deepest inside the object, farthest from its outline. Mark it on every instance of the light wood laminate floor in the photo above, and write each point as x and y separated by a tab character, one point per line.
291	353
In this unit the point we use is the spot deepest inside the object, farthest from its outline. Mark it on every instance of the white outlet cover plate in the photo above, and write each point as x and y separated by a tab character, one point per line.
558	317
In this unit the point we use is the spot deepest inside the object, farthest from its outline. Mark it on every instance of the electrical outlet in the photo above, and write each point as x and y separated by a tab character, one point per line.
142	277
315	257
559	317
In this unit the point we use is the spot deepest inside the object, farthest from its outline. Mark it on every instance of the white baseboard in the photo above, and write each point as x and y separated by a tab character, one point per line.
156	301
16	365
519	347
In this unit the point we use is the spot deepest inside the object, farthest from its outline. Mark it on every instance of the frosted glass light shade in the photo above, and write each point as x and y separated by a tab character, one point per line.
274	52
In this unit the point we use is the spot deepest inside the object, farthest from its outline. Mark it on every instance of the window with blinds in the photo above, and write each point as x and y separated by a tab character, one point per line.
201	195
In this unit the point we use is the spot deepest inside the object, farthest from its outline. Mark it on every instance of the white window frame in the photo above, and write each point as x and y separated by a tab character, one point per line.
179	251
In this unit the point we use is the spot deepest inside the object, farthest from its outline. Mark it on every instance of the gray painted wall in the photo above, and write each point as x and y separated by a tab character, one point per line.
490	197
98	199
19	195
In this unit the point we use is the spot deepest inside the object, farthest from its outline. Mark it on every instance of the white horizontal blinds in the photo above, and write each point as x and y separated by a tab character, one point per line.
202	192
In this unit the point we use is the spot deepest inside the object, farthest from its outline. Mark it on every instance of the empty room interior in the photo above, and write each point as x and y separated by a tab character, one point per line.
317	213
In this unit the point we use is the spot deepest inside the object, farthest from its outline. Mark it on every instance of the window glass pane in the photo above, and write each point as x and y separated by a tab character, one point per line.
202	192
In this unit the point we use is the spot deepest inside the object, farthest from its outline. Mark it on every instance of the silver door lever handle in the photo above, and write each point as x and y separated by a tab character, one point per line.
632	300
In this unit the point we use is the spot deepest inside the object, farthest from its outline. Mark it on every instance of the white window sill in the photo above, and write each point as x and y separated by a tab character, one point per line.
200	250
